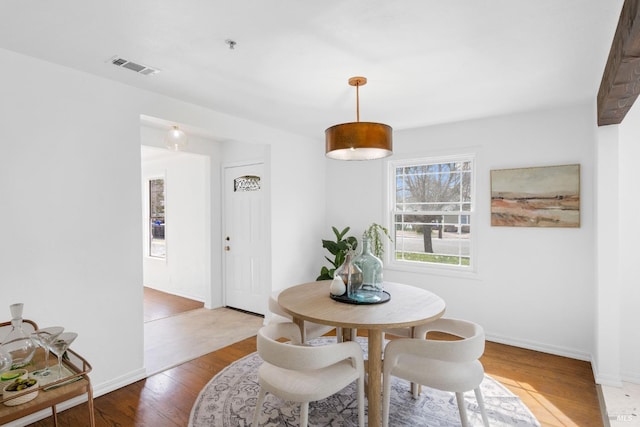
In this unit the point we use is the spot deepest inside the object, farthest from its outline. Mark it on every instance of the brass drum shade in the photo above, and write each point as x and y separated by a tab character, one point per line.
358	141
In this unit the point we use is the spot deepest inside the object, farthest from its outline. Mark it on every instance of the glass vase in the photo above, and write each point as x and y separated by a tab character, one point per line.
350	274
371	288
18	343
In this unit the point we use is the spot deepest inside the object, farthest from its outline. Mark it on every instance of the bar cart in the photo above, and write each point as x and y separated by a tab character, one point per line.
73	382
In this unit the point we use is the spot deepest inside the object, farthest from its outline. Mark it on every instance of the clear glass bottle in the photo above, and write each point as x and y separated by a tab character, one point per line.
350	274
5	360
370	290
18	343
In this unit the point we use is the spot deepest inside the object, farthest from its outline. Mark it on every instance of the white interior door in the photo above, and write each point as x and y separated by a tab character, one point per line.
245	243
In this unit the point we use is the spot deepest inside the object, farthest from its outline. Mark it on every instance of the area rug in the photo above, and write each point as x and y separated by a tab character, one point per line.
229	400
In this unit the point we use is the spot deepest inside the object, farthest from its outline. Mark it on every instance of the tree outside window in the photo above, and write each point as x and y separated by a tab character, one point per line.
432	211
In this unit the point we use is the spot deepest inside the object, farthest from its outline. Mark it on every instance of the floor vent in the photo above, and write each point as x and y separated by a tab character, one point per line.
138	68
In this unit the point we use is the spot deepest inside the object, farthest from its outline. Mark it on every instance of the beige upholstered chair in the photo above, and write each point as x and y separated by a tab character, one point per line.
304	374
444	365
277	315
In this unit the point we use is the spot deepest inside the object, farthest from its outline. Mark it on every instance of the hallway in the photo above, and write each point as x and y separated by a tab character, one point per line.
180	330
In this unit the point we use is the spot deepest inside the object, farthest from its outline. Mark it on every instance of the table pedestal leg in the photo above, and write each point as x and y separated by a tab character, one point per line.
303	333
374	389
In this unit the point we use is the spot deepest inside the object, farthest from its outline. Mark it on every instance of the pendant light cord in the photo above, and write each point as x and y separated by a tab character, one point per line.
357	102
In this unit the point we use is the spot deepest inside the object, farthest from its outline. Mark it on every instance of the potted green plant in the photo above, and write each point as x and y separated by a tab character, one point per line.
376	234
338	248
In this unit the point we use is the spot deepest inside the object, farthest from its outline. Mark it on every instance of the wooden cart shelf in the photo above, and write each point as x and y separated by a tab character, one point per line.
76	383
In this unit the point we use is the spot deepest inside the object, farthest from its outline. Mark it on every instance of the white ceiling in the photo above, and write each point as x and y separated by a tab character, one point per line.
427	61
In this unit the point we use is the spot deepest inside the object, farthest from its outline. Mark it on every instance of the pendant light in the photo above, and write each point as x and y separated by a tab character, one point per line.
358	140
176	139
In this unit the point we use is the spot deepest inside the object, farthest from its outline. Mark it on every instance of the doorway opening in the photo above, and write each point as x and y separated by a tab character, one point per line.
177	220
177	249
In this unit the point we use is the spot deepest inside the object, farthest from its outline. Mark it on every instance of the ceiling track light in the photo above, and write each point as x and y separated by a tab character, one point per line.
358	140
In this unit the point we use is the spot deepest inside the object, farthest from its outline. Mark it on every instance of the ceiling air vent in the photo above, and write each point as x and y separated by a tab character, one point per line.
138	68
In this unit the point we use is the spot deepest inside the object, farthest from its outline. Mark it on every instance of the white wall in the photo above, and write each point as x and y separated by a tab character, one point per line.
70	173
298	204
628	174
186	269
242	152
607	321
295	179
535	287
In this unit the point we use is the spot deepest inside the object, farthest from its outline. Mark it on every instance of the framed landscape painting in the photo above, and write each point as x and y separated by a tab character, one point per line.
546	196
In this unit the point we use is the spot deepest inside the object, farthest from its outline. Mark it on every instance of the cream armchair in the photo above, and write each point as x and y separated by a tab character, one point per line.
304	374
445	365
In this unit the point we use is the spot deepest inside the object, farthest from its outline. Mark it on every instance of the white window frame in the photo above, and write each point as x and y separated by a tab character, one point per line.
423	267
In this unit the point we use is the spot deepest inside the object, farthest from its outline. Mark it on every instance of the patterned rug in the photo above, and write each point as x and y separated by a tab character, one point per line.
229	400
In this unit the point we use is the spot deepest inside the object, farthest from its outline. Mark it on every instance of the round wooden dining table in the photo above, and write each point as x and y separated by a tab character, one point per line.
409	306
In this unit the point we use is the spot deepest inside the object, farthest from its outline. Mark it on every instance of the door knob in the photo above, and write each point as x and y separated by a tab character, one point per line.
227	248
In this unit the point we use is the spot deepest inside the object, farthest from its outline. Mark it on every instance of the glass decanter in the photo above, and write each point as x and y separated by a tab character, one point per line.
370	290
18	343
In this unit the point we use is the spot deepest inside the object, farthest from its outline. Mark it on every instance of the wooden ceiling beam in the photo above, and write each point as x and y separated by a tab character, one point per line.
620	83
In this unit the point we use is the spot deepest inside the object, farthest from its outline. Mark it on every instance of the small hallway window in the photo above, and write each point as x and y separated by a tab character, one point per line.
157	243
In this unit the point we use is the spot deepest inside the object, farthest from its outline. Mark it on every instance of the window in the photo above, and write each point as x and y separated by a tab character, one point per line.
431	212
157	244
246	183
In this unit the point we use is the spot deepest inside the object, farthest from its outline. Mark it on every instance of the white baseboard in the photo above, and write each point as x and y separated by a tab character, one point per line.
544	348
605	379
122	381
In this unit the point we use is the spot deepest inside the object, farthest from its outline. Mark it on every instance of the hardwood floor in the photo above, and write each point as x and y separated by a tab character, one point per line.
559	391
158	305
